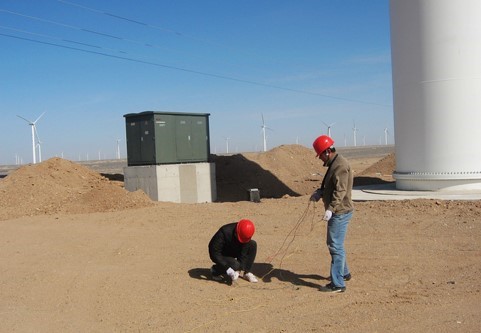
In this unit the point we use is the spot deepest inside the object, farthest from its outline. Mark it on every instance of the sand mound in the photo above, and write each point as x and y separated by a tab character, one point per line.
383	167
285	170
61	186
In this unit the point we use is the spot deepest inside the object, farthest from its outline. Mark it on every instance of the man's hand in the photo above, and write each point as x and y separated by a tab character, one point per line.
327	215
234	275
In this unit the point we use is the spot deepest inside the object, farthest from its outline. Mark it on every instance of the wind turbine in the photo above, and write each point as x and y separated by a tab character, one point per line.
227	145
264	127
354	132
34	132
385	135
329	128
118	149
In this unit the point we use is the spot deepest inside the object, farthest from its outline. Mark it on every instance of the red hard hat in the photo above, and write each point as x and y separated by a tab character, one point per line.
322	143
245	229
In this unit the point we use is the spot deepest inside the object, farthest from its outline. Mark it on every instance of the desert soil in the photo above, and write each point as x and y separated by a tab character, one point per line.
78	253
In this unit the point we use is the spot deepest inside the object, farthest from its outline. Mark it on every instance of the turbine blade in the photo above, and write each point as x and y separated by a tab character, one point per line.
39	118
30	122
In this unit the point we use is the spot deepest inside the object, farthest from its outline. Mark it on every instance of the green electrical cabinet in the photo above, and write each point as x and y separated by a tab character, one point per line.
167	137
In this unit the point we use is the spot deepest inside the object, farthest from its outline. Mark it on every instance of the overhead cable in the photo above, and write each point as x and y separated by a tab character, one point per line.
218	76
79	28
156	27
61	39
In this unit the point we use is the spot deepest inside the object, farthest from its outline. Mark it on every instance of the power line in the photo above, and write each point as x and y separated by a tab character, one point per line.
155	27
98	33
60	39
108	14
218	76
132	21
79	28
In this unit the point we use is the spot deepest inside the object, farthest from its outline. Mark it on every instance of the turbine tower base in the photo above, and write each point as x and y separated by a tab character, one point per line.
417	181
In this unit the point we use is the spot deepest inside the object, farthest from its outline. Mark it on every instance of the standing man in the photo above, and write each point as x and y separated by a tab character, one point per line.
232	250
336	194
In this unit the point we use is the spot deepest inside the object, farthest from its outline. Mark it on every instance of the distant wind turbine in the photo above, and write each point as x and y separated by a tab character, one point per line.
354	132
118	149
34	134
227	144
386	132
329	128
264	127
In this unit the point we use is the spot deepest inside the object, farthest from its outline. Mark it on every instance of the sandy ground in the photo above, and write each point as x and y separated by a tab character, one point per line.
80	254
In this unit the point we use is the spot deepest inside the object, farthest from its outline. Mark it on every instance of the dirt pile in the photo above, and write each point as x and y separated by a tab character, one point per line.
61	186
287	170
377	173
384	167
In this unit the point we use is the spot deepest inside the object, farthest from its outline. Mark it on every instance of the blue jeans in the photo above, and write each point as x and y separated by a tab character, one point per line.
336	233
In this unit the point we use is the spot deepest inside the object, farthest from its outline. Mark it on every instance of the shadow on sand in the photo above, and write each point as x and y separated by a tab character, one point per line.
266	273
235	175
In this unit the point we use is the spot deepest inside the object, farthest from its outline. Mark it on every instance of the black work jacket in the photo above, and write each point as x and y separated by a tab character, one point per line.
224	243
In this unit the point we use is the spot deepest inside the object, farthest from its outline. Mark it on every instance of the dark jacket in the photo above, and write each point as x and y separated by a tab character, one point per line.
224	243
337	192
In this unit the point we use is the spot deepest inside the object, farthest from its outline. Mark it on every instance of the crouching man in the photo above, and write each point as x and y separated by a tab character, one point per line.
233	250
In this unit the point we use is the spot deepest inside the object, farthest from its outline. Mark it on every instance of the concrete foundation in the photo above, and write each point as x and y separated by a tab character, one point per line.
180	183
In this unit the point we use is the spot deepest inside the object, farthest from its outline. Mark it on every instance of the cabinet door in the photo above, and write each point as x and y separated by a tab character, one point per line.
192	139
199	139
147	141
183	138
165	139
132	127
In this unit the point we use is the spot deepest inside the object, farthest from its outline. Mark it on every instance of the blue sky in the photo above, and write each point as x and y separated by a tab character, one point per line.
86	63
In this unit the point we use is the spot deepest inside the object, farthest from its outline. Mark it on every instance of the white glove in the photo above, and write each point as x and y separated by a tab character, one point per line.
234	275
327	215
250	277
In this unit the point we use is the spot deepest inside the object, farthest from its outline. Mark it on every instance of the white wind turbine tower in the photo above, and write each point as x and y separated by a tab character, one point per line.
264	127
227	145
39	145
118	149
34	132
354	133
386	132
329	128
